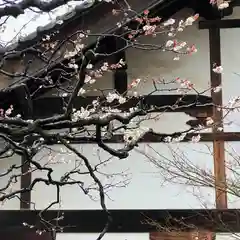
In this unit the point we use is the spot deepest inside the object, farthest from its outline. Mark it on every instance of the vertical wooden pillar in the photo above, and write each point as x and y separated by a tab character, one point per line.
25	105
120	74
218	146
25	198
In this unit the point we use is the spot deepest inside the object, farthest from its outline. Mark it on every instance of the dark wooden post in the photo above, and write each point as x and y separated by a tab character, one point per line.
218	145
25	106
116	46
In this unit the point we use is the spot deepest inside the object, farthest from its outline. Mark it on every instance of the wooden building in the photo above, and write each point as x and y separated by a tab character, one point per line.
217	43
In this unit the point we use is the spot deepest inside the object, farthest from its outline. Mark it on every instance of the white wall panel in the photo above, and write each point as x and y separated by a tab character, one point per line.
5	164
231	75
146	188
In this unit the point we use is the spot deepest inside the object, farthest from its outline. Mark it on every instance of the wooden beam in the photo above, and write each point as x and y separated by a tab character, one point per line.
218	145
26	234
221	23
127	221
26	178
165	103
157	138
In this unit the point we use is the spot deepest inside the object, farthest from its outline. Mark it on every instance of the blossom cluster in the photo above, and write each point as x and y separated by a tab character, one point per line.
220	4
131	136
181	137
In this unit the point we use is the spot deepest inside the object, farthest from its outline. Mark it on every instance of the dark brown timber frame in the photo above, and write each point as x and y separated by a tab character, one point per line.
132	220
127	221
214	27
218	145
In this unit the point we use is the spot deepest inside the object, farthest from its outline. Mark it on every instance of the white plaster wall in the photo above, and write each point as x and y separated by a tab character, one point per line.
5	164
108	236
232	170
230	76
146	188
235	14
134	236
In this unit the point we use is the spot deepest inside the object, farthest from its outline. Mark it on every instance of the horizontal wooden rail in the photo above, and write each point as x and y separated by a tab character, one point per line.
126	221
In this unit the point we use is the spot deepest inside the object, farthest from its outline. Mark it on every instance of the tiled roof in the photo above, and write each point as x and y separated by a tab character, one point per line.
29	25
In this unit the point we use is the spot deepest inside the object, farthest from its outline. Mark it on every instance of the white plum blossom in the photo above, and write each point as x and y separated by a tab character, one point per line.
122	62
81	35
180	138
112	96
79	47
131	136
170	21
223	5
217	89
147	27
169	43
118	24
176	58
69	54
183	44
189	21
133	109
87	78
104	67
121	99
95	103
218	69
92	81
105	115
80	114
114	110
73	65
209	121
167	139
89	66
9	111
196	139
81	91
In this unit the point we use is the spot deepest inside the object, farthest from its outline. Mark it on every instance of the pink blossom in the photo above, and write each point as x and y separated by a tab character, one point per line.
146	12
9	110
134	83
